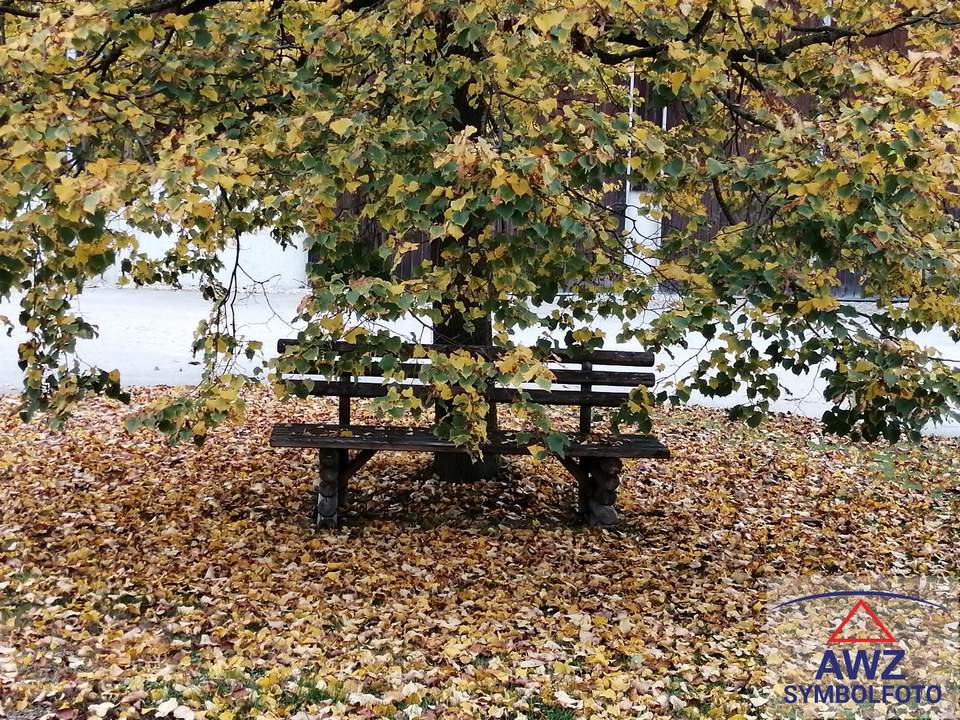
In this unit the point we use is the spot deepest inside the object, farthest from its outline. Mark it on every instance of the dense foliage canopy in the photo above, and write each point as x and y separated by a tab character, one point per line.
825	135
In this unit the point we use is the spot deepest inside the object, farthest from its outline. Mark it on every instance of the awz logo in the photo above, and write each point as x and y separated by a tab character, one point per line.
853	666
858	675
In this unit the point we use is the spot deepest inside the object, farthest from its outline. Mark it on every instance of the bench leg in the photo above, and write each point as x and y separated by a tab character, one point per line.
329	491
343	459
597	491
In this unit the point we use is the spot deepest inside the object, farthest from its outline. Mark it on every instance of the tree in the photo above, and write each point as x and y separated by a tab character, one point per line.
491	130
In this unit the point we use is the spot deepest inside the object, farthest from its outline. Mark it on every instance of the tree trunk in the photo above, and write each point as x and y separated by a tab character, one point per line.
459	467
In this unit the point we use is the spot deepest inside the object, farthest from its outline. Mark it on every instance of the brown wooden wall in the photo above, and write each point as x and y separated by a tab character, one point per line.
646	107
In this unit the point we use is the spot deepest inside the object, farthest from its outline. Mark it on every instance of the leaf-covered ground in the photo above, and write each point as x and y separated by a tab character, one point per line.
142	580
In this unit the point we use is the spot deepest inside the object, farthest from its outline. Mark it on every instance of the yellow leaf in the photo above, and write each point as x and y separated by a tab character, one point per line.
52	160
341	126
546	21
204	210
146	33
20	147
519	185
501	62
352	336
471	11
548	105
332	324
826	302
85	10
396	185
177	22
676	80
700	74
293	137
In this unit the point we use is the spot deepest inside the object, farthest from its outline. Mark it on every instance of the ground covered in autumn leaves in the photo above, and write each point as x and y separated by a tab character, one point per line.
142	580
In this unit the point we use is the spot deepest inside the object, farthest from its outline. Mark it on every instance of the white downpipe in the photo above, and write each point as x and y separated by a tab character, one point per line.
629	145
645	231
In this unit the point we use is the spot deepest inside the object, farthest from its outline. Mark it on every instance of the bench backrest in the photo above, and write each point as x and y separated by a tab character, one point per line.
611	370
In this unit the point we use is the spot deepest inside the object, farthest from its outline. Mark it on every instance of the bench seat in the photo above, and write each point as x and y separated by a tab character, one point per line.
414	439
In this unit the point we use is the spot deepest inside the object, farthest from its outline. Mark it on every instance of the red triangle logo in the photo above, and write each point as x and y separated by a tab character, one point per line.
885	636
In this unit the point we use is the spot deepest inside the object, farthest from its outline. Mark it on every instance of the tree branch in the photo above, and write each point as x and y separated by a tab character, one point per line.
724	208
7	9
770	56
809	36
644	48
178	7
752	79
818	36
743	113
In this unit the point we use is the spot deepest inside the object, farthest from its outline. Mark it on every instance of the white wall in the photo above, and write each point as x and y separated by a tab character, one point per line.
261	260
644	230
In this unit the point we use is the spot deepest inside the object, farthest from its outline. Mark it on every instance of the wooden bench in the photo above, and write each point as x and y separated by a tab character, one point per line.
594	462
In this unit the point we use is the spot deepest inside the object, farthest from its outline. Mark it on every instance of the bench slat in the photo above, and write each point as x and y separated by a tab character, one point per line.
496	394
501	442
632	358
563	376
